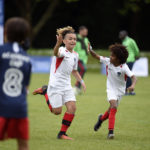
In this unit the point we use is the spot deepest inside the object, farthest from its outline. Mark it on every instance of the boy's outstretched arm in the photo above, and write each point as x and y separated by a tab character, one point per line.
58	43
131	88
92	52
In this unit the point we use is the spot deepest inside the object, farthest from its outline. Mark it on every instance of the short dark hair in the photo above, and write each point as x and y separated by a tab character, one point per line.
120	52
17	29
82	27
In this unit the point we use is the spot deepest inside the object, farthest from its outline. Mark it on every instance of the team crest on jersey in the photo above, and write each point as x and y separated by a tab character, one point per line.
119	74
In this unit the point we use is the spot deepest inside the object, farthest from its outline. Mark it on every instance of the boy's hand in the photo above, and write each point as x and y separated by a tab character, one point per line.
130	89
89	50
59	39
84	86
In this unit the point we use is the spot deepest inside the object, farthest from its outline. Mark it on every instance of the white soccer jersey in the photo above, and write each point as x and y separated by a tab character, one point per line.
116	77
61	69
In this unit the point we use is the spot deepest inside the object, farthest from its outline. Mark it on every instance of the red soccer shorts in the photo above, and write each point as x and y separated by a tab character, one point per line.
14	128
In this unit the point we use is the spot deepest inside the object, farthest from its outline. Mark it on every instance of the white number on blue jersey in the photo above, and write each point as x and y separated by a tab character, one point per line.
12	82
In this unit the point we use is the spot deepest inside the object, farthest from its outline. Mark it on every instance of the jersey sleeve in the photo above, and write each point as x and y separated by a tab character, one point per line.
76	62
28	75
104	60
62	52
127	71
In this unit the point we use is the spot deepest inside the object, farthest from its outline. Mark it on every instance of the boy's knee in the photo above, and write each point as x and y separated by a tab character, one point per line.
57	111
113	104
71	109
23	144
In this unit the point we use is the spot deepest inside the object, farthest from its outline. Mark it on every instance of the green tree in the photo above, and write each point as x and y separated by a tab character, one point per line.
134	9
132	5
27	7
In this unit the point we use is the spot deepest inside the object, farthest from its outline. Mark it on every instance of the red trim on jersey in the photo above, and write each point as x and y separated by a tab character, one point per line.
75	52
121	66
14	128
107	70
125	77
58	62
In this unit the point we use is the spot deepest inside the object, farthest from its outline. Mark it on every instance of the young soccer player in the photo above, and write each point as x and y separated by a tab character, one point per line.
15	69
59	90
117	72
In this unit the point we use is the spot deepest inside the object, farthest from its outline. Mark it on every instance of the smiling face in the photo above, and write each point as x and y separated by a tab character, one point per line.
70	41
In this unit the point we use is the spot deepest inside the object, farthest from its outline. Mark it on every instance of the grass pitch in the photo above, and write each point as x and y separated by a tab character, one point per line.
132	128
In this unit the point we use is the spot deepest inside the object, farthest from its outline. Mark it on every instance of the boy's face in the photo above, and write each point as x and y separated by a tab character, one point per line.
114	59
70	41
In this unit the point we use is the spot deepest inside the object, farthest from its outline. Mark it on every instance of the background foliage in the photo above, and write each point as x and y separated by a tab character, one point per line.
104	18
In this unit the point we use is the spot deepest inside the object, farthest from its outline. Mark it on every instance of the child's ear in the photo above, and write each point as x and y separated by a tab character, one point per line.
64	41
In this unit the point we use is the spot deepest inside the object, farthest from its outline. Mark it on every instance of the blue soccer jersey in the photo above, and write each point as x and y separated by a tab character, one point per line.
15	70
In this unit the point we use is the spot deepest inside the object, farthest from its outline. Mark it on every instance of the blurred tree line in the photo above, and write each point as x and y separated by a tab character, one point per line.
104	19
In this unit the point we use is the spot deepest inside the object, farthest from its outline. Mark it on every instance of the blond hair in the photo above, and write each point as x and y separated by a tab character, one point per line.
65	30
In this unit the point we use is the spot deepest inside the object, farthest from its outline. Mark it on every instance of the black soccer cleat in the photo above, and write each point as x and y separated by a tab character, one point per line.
41	91
111	134
98	123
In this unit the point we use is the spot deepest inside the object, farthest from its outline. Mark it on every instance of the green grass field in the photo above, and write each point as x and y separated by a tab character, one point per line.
132	131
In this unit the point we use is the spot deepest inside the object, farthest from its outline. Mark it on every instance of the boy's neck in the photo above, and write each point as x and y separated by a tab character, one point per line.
116	64
70	50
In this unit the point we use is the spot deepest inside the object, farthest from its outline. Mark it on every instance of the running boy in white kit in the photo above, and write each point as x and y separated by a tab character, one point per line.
59	90
117	72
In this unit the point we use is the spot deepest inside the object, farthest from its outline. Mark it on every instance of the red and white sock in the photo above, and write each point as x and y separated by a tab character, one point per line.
105	116
112	118
48	103
66	122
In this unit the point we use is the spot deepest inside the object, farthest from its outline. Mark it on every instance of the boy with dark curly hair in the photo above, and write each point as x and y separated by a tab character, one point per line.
117	72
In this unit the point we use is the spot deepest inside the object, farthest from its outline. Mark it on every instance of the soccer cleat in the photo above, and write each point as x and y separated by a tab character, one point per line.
41	91
98	123
110	136
132	93
64	136
126	94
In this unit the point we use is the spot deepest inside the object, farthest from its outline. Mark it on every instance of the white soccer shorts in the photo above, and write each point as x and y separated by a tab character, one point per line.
111	95
58	98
